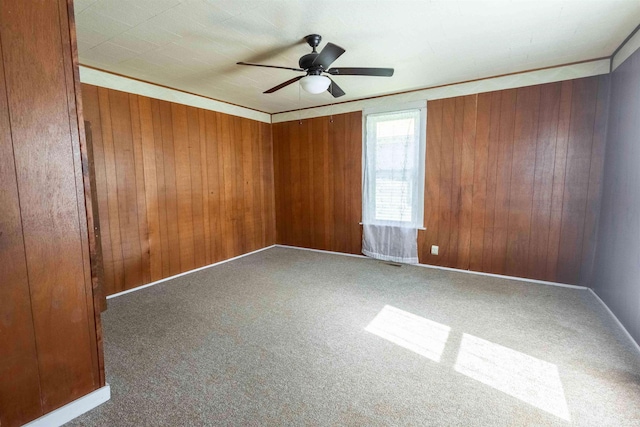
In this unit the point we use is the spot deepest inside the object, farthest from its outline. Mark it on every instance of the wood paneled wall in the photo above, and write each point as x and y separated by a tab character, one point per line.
178	187
512	180
49	346
318	181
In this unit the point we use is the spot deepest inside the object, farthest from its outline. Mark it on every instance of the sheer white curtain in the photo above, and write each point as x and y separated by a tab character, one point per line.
393	187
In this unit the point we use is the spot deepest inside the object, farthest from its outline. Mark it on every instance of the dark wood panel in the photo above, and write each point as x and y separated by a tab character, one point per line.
20	385
467	165
479	185
523	164
47	162
511	180
559	176
492	178
318	165
543	179
180	187
446	177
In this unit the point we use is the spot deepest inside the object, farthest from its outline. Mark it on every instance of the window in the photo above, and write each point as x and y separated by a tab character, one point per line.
394	151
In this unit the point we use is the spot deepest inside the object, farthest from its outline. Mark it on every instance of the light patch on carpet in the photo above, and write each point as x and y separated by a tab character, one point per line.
415	333
524	377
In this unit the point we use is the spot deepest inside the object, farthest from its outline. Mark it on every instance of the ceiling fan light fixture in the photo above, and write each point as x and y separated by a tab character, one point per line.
315	84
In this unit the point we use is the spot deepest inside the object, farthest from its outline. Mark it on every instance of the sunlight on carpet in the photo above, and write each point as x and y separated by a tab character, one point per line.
415	333
527	378
519	375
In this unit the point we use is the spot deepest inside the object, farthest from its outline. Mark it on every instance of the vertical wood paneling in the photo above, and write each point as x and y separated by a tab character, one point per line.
126	188
185	234
466	181
143	227
49	343
180	187
523	165
511	180
456	188
318	166
45	151
20	385
543	179
446	173
153	245
479	186
503	180
559	175
492	179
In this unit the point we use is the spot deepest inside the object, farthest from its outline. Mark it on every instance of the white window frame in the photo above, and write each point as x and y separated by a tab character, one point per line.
418	217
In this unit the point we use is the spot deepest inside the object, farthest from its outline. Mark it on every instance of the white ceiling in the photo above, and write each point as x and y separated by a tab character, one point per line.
193	45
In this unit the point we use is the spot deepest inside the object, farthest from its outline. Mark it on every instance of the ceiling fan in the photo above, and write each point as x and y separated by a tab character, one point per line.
315	64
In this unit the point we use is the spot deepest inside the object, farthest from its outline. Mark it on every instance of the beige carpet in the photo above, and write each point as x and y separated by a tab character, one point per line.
288	337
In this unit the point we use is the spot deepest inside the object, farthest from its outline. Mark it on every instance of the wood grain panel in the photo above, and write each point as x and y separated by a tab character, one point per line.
50	353
20	385
492	177
479	185
317	173
446	179
543	179
523	163
46	153
511	180
179	187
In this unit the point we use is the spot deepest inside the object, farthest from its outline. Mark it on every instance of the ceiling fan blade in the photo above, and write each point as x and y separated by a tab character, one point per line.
330	53
269	66
335	90
356	71
281	85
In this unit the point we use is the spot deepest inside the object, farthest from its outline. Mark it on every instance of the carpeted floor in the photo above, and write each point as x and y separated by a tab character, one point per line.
289	337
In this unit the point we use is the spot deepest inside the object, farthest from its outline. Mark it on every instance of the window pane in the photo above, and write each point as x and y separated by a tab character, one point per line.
393	200
394	165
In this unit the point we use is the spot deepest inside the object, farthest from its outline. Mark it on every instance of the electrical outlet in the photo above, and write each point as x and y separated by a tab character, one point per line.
434	250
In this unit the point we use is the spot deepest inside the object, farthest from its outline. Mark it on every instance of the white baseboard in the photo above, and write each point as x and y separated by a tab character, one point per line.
73	409
323	251
478	273
187	272
633	341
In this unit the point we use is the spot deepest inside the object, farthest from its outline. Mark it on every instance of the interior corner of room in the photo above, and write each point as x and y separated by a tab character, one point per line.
184	220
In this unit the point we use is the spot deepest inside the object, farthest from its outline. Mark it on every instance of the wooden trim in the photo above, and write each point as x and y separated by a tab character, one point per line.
446	85
170	88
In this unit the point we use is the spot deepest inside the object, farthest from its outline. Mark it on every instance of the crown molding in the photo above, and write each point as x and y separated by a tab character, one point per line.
626	49
526	78
108	80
